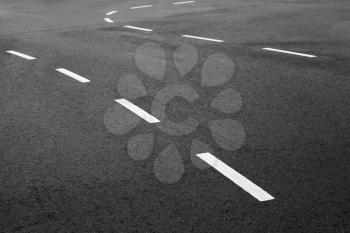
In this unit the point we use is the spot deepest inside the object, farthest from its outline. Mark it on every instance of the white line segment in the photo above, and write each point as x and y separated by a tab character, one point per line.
179	3
202	38
138	7
289	52
138	111
108	20
111	13
22	55
235	177
73	75
138	28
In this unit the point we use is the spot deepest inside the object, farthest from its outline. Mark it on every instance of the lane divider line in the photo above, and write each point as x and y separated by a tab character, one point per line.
235	177
138	28
22	55
179	3
73	75
138	111
289	52
108	20
202	38
138	7
111	13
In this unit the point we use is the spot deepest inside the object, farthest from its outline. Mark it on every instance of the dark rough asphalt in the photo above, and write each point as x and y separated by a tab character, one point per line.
62	170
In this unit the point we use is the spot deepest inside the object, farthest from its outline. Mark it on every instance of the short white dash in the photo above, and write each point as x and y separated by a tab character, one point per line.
138	7
138	28
73	75
202	38
138	111
179	3
235	177
22	55
108	20
111	13
289	52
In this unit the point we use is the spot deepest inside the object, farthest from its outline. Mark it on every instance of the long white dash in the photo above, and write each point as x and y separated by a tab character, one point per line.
138	28
179	3
138	111
111	13
289	52
73	75
138	7
108	20
237	178
202	38
22	55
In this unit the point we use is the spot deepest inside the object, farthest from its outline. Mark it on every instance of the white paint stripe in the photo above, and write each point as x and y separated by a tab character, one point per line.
237	178
138	7
73	75
179	3
138	28
111	13
108	20
138	111
289	52
202	38
21	55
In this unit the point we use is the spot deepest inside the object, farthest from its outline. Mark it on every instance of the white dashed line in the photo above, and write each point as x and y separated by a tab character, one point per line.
289	52
108	20
138	111
235	177
138	7
111	13
73	75
179	3
22	55
202	38
138	28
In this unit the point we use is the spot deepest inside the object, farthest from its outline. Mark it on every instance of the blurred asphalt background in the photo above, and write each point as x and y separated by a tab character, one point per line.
62	171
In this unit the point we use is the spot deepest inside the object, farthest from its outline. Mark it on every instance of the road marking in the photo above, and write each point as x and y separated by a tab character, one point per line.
111	13
108	20
138	7
202	38
73	75
138	111
138	28
289	52
237	178
179	3
22	55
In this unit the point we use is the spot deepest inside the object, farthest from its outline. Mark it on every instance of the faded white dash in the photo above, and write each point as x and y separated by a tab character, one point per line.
138	7
289	52
138	28
180	3
22	55
138	111
202	38
73	75
111	13
235	177
108	20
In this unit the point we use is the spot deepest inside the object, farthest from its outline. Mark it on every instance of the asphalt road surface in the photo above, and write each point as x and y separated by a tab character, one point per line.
175	116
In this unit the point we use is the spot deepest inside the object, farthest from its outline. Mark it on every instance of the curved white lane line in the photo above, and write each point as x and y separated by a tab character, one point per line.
22	55
138	7
202	38
138	28
111	13
289	52
180	3
108	20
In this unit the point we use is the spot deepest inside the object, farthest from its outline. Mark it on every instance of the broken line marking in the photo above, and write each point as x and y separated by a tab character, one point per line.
202	38
138	7
235	177
73	75
179	3
111	13
138	111
22	55
108	20
138	28
289	52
